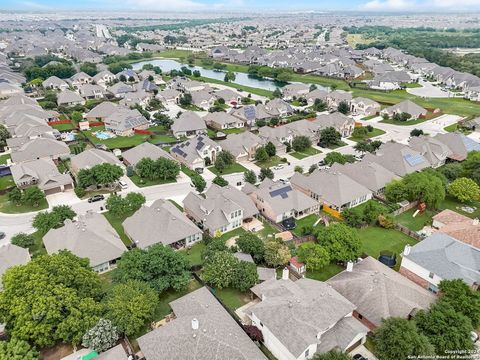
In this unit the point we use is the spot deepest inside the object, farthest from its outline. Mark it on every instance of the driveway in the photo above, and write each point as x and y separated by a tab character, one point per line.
428	90
362	350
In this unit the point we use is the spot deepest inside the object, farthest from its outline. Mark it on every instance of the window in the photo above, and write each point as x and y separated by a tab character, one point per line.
307	352
431	275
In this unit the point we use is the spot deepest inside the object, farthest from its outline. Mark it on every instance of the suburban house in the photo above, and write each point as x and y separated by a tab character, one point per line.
390	80
291	91
188	124
243	145
101	111
440	257
132	156
80	78
127	75
91	237
132	99
364	106
278	136
12	255
161	223
196	153
91	91
69	98
301	318
24	149
54	82
230	97
169	96
42	173
334	98
331	189
316	94
91	157
221	120
398	158
203	99
406	106
201	329
8	90
103	78
221	210
379	292
342	123
369	174
459	144
458	226
432	149
125	121
278	202
120	89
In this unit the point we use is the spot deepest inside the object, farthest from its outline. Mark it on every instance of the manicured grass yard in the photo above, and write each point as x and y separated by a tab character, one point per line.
273	161
161	139
64	127
324	273
306	153
375	132
116	223
307	221
455	205
194	254
6	182
141	182
118	142
37	248
231	169
233	233
233	131
338	145
232	298
4	158
404	123
9	208
268	229
163	309
451	128
376	240
187	171
415	223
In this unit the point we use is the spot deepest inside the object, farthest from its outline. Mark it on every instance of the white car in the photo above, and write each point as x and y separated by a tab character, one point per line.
123	184
278	167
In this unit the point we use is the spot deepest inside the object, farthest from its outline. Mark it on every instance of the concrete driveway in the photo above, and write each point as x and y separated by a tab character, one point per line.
362	350
429	90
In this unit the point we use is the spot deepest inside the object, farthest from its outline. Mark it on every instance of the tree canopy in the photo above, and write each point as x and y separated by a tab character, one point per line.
314	256
341	242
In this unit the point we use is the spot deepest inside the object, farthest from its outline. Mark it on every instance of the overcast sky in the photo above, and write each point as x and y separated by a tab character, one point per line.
221	5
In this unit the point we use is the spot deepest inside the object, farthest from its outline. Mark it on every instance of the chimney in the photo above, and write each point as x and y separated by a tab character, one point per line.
407	249
285	274
195	324
349	266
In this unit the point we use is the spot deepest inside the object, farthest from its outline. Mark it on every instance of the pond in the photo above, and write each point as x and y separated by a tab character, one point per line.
240	78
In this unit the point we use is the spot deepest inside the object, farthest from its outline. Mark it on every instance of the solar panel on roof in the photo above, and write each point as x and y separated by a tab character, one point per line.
282	192
414	160
200	144
470	144
249	112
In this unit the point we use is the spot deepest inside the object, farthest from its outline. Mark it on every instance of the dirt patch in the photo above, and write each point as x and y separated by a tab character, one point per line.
57	352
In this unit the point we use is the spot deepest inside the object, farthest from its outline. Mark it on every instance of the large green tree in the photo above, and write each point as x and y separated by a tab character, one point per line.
245	276
249	176
130	305
219	269
425	186
464	189
251	244
4	135
159	266
471	166
341	242
462	298
15	349
276	253
398	338
52	298
101	337
329	136
53	219
313	255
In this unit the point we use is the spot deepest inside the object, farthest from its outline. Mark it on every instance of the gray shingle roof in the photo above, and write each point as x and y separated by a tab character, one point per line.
144	150
91	157
12	255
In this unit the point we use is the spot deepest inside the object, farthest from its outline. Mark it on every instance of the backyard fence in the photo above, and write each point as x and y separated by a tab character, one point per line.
408	232
58	122
405	208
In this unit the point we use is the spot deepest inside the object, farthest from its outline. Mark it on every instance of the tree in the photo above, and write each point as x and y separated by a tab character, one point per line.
52	298
451	170
251	244
363	147
464	189
265	173
312	168
371	211
276	253
261	154
245	276
215	245
277	93
33	196
445	328
284	77
336	157
23	240
360	132
425	186
135	200
462	298
329	136
416	132
249	176
471	166
85	178
301	143
185	99
395	191
229	76
332	355
16	349
353	217
198	182
130	305
270	149
15	196
44	221
319	105
398	338
341	241
219	269
220	181
162	119
101	337
196	73
117	205
343	107
313	255
89	68
159	266
106	173
4	135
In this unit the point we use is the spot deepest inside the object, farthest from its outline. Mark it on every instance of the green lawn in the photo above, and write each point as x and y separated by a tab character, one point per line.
6	182
163	309
268	231
306	153
9	208
156	139
375	132
177	205
411	85
273	161
376	240
233	131
455	205
234	233
4	158
404	123
324	273
116	223
141	182
369	117
118	142
451	128
64	127
187	171
307	221
415	223
337	145
194	253
231	169
37	248
232	298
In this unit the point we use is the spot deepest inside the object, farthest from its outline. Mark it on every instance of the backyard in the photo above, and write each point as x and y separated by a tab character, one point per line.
455	205
163	309
324	273
415	223
116	222
306	153
6	182
232	298
4	158
194	253
118	142
305	222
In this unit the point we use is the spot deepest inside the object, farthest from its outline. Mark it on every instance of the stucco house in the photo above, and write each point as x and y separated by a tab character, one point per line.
196	153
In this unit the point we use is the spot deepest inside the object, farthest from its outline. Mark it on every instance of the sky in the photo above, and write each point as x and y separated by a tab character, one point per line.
253	5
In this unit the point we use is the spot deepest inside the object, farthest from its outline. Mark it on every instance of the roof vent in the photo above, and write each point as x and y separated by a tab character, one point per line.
195	324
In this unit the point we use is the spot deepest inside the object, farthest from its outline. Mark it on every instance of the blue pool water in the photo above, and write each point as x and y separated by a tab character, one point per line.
102	135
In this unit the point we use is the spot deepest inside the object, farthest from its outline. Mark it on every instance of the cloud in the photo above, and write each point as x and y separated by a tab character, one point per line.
419	5
167	5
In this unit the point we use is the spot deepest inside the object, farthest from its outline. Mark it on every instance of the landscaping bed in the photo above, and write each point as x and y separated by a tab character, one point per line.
142	182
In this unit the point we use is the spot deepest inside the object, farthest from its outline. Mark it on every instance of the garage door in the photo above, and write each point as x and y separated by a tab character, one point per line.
53	191
355	345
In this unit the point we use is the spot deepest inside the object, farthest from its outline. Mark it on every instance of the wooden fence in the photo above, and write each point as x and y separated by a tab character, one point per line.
405	208
408	232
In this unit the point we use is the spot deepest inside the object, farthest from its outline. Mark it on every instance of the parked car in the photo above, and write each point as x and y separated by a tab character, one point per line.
283	181
2	235
278	167
474	336
289	224
123	184
96	198
359	357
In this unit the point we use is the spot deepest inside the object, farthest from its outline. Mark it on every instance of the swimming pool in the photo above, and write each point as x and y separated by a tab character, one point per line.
104	135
